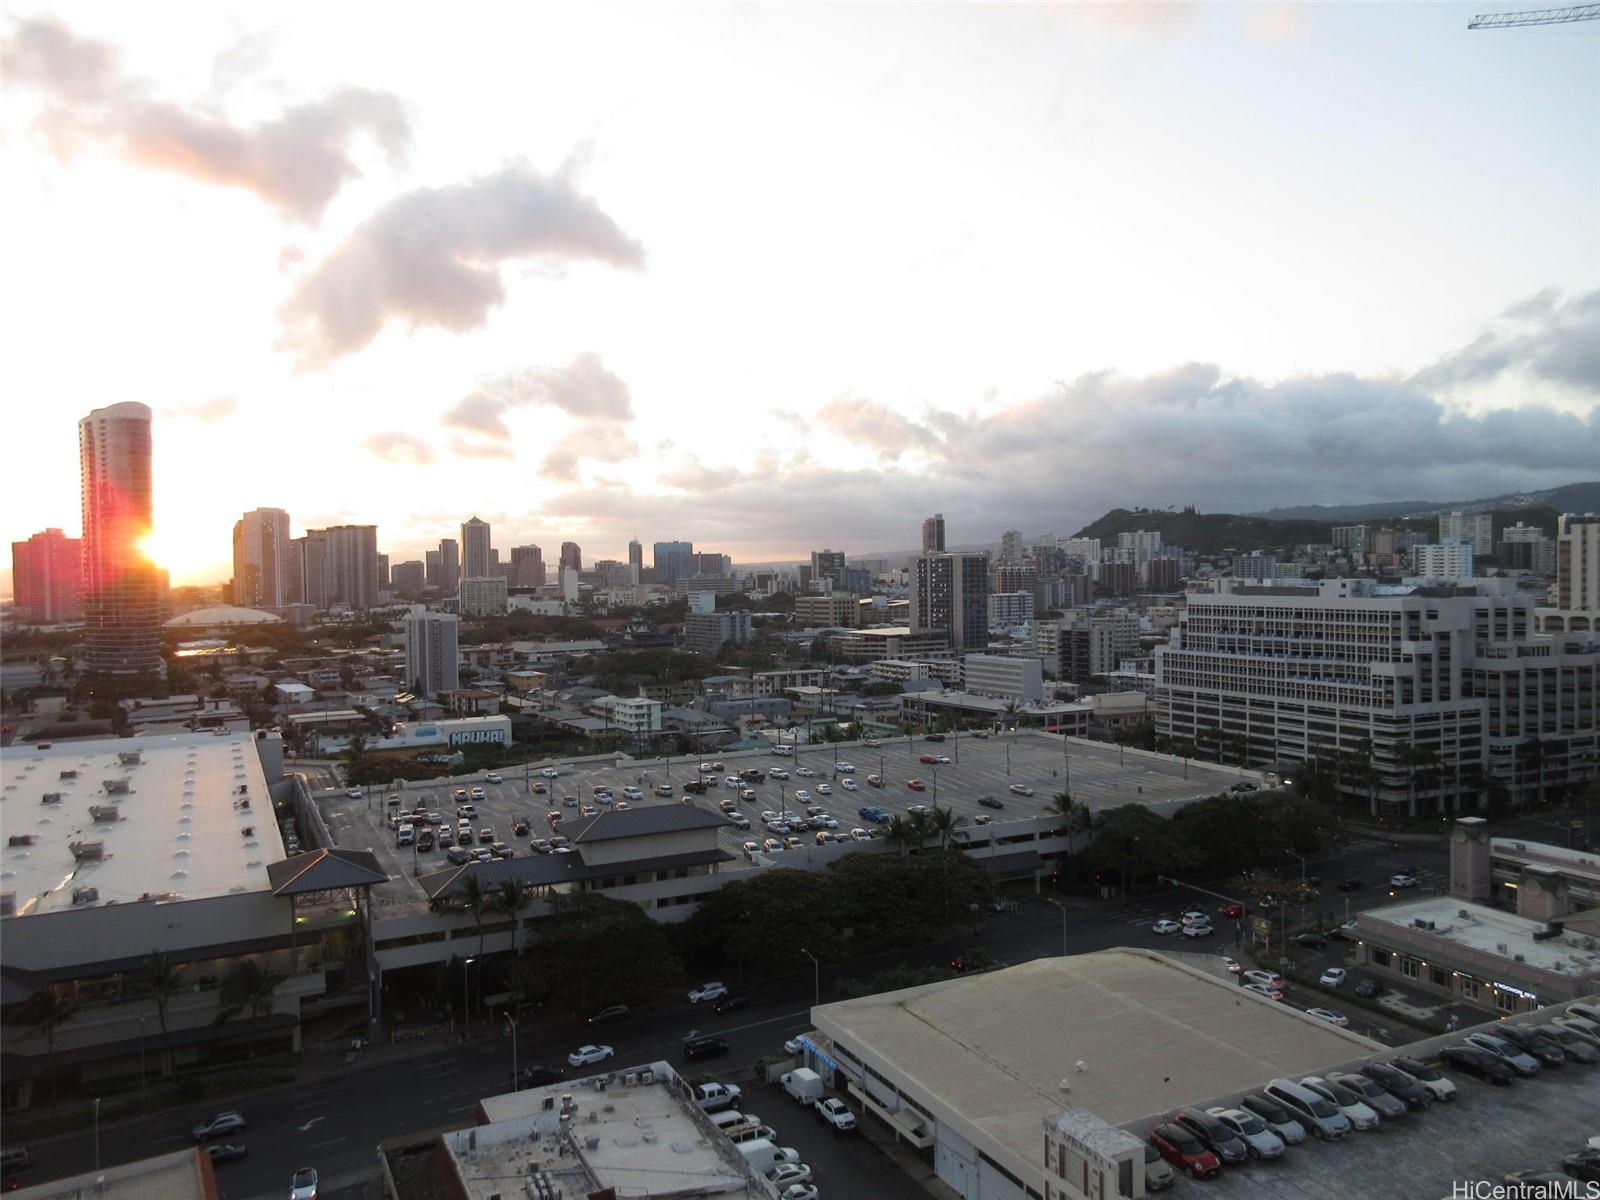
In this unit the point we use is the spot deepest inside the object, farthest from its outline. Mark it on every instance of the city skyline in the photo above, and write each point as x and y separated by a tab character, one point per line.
1039	261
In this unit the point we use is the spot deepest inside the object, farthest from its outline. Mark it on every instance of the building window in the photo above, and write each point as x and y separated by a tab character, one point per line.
1380	957
1409	967
1505	1001
1469	988
1437	977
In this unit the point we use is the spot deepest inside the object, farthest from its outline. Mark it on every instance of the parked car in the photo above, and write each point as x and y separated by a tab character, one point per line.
1020	789
1356	1110
1221	1140
1373	1094
800	1191
1530	1043
1158	1176
1398	1084
1232	964
1278	1118
224	1124
585	1056
836	1113
788	1174
1332	977
1310	941
1328	1015
991	802
1475	1060
1265	989
1572	1043
1523	1064
1583	1165
611	1014
1165	925
928	758
708	991
1369	989
1250	1129
303	1185
1185	1151
1439	1086
916	785
1198	929
539	1076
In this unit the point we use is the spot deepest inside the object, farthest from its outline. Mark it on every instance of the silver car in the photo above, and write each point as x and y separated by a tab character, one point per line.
1388	1107
1251	1130
1523	1064
1350	1104
1278	1118
1158	1176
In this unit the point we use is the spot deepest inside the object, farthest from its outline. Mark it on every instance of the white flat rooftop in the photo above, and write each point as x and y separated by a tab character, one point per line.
1486	930
1577	862
179	828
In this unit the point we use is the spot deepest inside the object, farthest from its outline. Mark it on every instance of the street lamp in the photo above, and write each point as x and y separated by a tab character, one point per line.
466	1001
512	1021
97	1133
816	977
1063	909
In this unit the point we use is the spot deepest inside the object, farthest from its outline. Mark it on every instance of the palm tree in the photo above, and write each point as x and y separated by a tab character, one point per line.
898	832
921	827
511	898
355	751
942	823
248	988
162	977
474	899
1077	815
44	1013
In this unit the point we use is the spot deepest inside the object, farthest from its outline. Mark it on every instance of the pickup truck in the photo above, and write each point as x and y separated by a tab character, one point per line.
832	1111
713	1096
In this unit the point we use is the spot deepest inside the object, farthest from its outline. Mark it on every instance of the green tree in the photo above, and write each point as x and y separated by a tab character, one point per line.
561	965
1133	841
1078	817
512	899
941	825
757	923
248	988
43	1013
163	977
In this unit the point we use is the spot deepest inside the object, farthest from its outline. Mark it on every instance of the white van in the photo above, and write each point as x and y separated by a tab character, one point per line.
783	751
406	834
1317	1113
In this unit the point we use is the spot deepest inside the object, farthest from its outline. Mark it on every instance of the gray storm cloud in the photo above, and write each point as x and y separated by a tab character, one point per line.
432	257
1546	337
296	162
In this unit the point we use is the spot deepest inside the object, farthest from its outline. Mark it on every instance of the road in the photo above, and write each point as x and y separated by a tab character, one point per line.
334	1119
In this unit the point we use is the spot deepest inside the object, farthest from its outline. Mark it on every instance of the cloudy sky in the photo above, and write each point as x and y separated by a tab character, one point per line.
777	277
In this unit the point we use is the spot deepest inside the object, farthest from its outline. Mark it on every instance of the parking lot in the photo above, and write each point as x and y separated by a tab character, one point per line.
1040	765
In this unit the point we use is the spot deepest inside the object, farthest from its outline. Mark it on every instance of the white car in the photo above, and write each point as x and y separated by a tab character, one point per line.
1198	929
708	991
585	1056
805	772
1250	1129
944	759
777	773
1231	963
492	777
1328	1015
849	785
1332	977
779	827
794	1045
788	1174
550	773
1165	925
825	789
478	793
354	793
827	822
1193	915
801	1191
633	793
1269	979
732	781
860	835
802	797
1402	881
845	768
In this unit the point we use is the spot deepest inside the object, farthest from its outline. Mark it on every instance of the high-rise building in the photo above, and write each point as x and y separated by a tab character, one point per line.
432	658
635	561
261	548
1452	561
383	572
121	587
1475	529
827	565
47	577
527	567
950	595
1141	545
933	534
672	560
1087	549
340	566
408	578
571	556
475	556
1526	547
484	597
705	633
449	564
1011	547
1354	539
1577	596
433	568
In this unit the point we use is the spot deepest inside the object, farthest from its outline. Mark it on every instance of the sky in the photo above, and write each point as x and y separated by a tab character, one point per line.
777	277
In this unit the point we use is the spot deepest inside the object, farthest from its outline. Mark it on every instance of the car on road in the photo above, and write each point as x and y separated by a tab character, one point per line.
916	785
1232	911
1267	990
611	1014
1310	941
1196	929
303	1186
1232	964
224	1124
731	1004
225	1152
708	991
844	768
585	1056
1349	885
1328	1015
696	1049
1243	787
1260	1141
789	1174
1402	881
1332	977
929	758
991	802
1185	1151
492	777
834	1112
873	743
550	773
1020	789
1369	988
539	1075
1270	978
354	793
1474	1060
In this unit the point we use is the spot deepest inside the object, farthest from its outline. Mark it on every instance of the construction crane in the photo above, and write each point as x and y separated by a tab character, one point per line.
1543	16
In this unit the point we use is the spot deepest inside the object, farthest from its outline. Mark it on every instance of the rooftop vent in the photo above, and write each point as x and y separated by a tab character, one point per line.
130	758
87	851
69	774
104	812
115	786
85	895
51	798
20	839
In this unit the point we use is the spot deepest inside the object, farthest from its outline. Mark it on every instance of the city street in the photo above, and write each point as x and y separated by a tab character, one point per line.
335	1117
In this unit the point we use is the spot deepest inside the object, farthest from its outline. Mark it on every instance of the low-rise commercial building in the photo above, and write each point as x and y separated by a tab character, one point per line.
1071	717
1016	679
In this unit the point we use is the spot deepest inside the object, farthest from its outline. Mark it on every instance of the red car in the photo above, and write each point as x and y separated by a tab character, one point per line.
1185	1151
929	758
1233	910
916	785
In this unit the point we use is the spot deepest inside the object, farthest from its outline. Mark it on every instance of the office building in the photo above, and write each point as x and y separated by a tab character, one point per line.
122	589
339	566
482	597
1354	540
1577	593
1526	548
831	610
408	578
671	560
709	563
1447	562
950	595
261	549
47	577
1417	698
933	534
1011	548
383	572
433	568
1084	643
1258	564
1162	574
1475	529
1088	549
1118	578
432	652
571	556
706	633
449	564
1006	678
635	561
527	567
827	570
476	559
1140	545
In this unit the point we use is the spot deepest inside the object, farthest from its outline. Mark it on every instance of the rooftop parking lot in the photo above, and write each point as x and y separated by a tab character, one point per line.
1484	1134
1037	765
